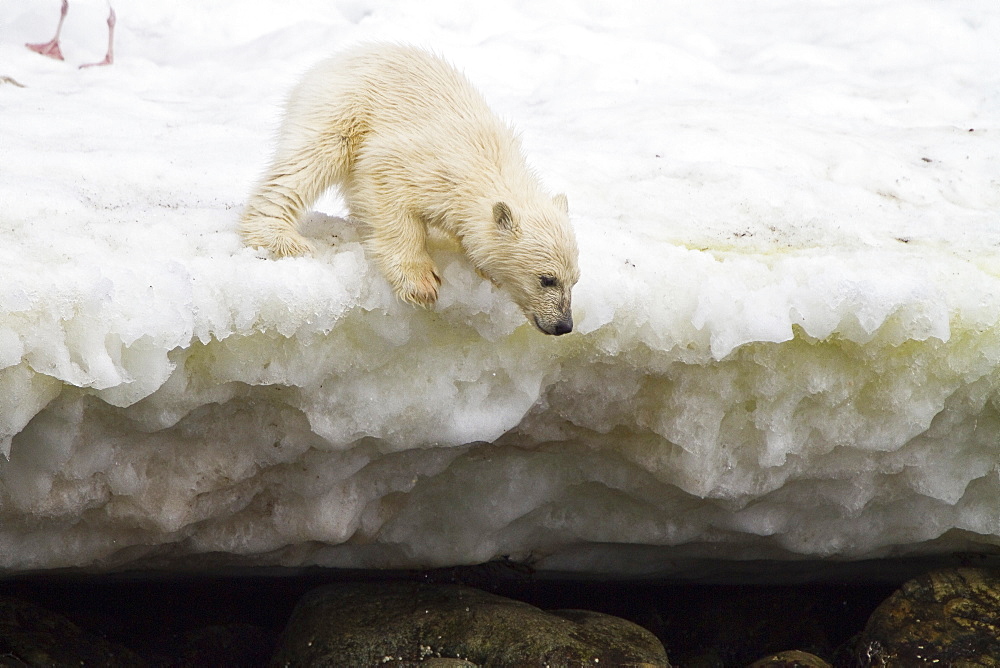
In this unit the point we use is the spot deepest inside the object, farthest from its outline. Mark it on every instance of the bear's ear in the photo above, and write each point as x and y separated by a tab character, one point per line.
561	203
504	219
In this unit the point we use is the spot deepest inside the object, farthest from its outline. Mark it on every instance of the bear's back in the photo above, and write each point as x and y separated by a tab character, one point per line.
392	86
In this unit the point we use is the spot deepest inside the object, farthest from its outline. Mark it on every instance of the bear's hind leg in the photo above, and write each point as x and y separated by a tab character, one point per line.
399	247
294	181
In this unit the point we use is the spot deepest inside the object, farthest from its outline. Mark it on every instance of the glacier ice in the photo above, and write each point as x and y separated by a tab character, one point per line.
787	339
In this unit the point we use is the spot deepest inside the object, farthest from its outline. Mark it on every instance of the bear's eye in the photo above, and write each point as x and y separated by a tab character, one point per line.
548	281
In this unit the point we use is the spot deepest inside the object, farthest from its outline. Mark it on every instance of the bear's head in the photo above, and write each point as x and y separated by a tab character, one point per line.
533	257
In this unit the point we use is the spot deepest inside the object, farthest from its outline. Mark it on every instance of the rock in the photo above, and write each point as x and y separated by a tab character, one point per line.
406	623
792	659
947	617
226	646
719	627
30	635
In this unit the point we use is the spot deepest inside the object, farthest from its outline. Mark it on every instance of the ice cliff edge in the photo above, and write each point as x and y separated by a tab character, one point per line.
295	413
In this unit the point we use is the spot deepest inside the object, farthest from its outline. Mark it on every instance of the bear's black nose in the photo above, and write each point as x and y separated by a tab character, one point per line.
564	327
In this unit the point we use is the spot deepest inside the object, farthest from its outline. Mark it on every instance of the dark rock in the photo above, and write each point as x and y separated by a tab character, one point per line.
225	646
721	627
948	618
792	659
406	624
33	636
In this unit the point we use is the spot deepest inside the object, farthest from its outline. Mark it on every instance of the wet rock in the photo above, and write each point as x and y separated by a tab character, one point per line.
792	659
948	617
407	624
30	635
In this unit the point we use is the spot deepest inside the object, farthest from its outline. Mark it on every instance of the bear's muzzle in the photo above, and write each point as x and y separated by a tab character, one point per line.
563	326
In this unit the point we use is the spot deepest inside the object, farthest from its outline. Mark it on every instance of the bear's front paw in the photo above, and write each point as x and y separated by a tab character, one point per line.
420	286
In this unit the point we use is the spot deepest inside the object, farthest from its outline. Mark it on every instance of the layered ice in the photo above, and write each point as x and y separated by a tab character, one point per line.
787	339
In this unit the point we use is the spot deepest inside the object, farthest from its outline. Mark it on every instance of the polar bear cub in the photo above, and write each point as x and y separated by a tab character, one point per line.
412	145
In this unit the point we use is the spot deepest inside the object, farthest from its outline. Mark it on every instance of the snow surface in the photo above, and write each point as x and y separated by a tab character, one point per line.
787	336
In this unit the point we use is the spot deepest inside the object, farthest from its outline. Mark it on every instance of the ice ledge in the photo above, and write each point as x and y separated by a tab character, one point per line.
796	404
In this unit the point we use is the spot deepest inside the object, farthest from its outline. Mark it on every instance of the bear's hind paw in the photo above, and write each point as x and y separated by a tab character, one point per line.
290	246
281	244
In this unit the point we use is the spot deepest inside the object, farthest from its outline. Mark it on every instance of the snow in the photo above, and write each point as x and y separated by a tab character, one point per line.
787	324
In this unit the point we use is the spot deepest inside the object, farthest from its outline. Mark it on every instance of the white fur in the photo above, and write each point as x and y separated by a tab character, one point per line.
411	143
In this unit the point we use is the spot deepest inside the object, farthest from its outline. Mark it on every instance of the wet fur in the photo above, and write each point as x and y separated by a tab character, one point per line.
412	144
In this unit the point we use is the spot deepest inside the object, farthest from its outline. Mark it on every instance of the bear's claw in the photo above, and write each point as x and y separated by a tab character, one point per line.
420	287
